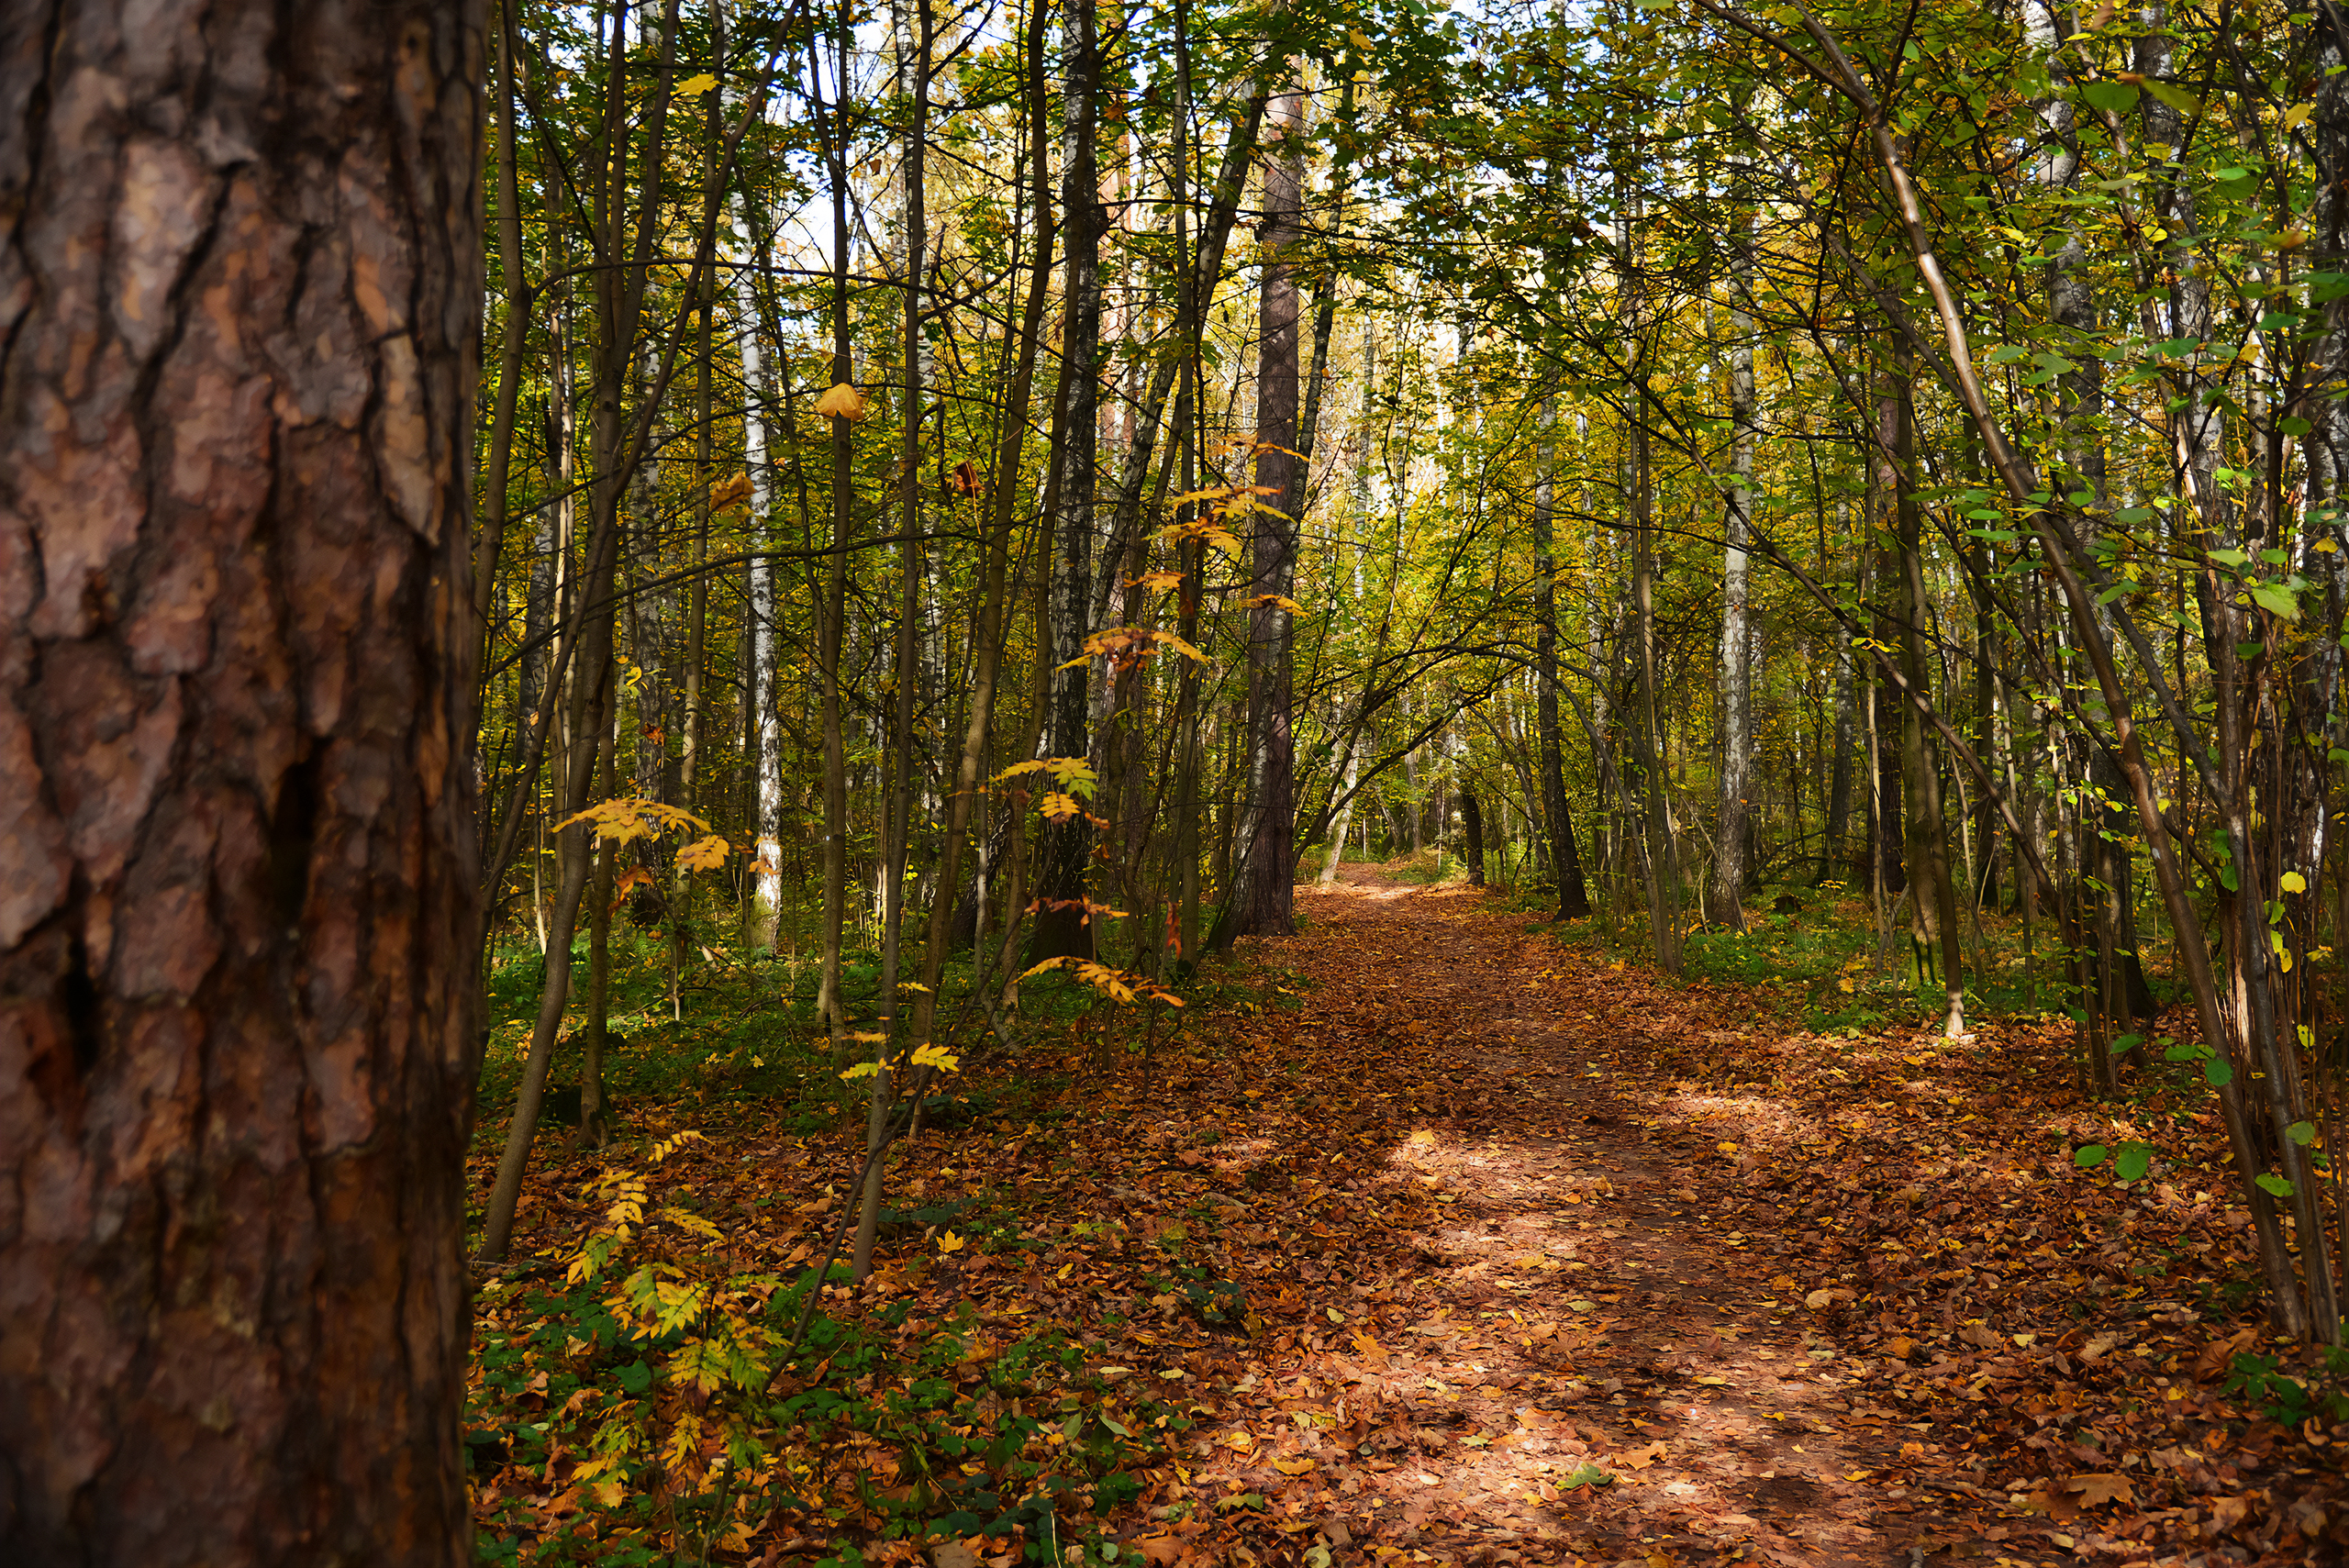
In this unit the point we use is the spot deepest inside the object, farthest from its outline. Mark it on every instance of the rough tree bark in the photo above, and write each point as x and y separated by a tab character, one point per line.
1263	896
241	299
1064	925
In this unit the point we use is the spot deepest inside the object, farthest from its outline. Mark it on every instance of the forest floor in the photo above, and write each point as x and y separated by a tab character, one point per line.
1430	1237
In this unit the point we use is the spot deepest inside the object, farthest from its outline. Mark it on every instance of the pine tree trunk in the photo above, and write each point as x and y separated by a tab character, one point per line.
240	923
1262	897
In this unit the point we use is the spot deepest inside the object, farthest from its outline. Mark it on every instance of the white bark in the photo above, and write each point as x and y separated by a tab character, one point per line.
762	690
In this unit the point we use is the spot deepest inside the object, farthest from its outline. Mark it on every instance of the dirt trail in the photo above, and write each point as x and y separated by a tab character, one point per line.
1578	1310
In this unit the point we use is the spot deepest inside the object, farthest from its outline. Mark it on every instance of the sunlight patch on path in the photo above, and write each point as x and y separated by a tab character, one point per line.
1570	1372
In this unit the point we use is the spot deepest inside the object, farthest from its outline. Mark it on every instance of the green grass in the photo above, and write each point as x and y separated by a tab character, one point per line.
1819	961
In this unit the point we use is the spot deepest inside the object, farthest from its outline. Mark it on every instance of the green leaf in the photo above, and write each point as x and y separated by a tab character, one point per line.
2277	600
2126	1042
2088	1155
2301	1132
1586	1476
2276	1186
2176	97
2112	97
2217	1073
2293	425
2132	1162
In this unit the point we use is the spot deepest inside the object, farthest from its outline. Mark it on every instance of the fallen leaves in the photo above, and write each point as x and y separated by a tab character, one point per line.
1398	1306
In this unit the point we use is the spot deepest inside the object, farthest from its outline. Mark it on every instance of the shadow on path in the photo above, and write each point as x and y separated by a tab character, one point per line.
1564	1362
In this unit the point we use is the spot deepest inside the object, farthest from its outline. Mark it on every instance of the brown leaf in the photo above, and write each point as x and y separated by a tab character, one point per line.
2096	1489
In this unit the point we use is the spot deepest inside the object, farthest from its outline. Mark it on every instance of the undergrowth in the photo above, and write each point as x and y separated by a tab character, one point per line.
661	1407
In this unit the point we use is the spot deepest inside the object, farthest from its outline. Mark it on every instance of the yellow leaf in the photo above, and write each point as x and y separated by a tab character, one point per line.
704	854
1179	646
2293	882
695	86
729	492
949	1242
842	401
862	1070
2297	115
1220	493
1293	1466
936	1056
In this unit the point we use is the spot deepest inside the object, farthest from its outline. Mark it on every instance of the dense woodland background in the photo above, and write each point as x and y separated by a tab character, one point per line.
1032	483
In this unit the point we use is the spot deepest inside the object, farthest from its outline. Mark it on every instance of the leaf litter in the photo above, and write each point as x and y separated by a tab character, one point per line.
1432	1241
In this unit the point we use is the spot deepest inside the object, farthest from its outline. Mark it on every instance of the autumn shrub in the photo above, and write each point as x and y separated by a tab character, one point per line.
665	1396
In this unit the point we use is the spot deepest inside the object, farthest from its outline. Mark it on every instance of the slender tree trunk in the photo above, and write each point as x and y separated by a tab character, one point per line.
1263	893
1928	823
1566	858
897	806
514	338
1337	835
594	1131
1064	923
832	611
1472	831
761	693
1663	847
1193	556
619	301
1724	896
1838	789
1198	279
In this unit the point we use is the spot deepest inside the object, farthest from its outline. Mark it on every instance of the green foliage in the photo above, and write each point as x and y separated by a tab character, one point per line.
2264	1383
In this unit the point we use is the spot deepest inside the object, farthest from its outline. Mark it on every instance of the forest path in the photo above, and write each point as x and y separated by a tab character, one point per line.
1572	1304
